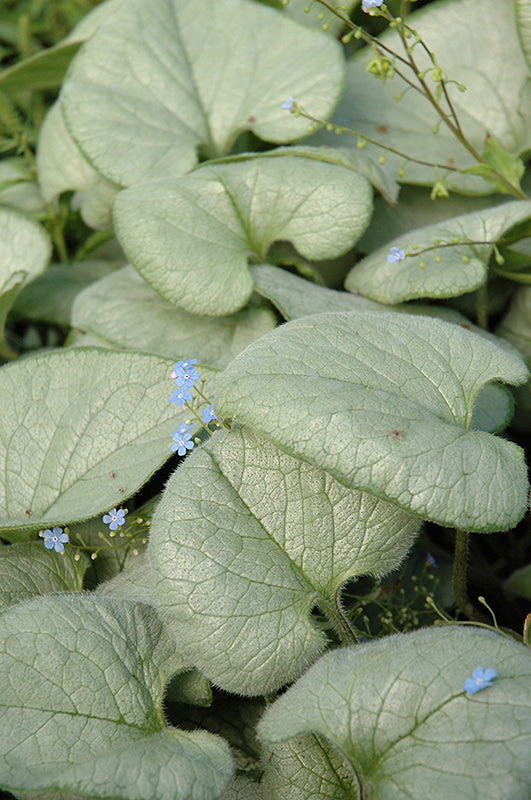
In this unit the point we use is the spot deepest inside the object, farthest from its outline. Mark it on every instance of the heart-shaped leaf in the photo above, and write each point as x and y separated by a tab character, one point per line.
62	167
384	402
146	78
73	419
83	680
191	237
24	254
245	541
485	58
448	268
397	713
27	569
125	310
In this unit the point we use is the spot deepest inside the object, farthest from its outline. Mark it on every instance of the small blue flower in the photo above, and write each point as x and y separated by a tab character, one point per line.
368	4
395	255
180	396
55	538
481	678
185	374
208	414
431	561
289	102
114	518
182	442
184	427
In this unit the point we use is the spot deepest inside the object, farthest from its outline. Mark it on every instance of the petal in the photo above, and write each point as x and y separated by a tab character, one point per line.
63	538
470	686
48	544
478	674
490	674
59	547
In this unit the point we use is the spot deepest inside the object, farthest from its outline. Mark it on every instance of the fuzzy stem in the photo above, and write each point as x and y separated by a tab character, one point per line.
460	578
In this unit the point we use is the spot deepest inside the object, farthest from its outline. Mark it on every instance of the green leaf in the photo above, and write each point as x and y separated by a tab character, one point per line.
71	418
306	767
17	187
498	163
396	711
354	160
335	389
516	324
523	25
416	210
81	707
28	569
125	310
145	78
442	271
24	254
486	58
44	70
191	237
134	582
50	297
62	167
245	541
295	297
493	408
519	582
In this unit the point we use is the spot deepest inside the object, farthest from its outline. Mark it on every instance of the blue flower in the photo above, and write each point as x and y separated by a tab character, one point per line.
431	561
182	442
114	518
481	678
180	396
395	255
55	538
289	102
185	374
368	4
184	427
208	414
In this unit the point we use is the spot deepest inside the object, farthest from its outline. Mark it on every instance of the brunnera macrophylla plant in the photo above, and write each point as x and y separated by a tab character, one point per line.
264	316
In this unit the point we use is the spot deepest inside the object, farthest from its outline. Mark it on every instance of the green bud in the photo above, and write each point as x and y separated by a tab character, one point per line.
325	26
329	127
320	16
338	130
498	256
361	143
398	97
421	263
437	258
400	172
358	34
347	37
465	259
382	160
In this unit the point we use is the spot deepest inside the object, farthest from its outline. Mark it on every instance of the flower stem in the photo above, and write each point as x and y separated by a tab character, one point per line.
460	578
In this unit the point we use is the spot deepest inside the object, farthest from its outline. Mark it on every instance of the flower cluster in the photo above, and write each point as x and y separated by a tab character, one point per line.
187	383
55	538
366	5
288	104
